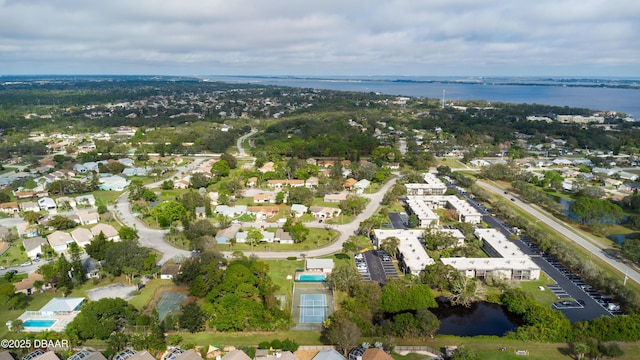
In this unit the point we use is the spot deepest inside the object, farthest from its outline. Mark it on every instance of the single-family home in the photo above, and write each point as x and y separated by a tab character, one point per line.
298	210
33	246
29	206
27	285
267	236
169	271
231	211
236	355
328	354
323	265
135	171
263	212
321	212
91	268
27	230
109	231
281	183
181	183
252	181
225	236
283	237
127	162
86	200
10	208
268	166
336	197
88	217
80	168
66	201
264	198
113	183
311	182
86	355
82	236
47	204
213	198
349	183
362	185
59	240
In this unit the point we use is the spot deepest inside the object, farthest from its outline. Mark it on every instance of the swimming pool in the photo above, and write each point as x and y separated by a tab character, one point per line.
312	277
38	323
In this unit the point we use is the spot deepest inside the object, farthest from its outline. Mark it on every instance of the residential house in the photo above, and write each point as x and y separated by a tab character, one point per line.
298	210
328	354
322	265
113	183
86	355
33	246
179	354
336	197
267	236
283	237
127	162
109	231
6	355
91	268
322	213
236	355
86	200
268	166
10	208
80	168
349	183
376	354
225	236
311	182
27	285
362	185
281	183
27	230
29	206
252	181
263	212
200	212
82	236
88	218
65	201
135	171
47	204
264	198
169	271
181	183
20	195
231	211
59	240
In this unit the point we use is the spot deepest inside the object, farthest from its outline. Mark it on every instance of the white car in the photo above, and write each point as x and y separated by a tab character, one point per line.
26	263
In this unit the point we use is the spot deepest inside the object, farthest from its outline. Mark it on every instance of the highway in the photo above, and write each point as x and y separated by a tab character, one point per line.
565	230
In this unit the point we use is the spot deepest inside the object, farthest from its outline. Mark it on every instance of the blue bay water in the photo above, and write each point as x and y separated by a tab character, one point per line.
626	100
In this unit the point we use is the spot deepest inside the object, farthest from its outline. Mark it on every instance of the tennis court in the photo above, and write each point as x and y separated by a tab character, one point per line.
313	308
168	302
312	305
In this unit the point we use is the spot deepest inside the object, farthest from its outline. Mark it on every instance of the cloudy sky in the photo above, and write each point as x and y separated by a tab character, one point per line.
322	37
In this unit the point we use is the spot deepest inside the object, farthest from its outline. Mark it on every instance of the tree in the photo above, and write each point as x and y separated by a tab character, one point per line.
97	248
137	260
199	180
221	169
353	205
579	349
596	211
298	231
399	296
464	291
197	231
254	236
100	319
300	195
438	240
167	212
343	278
60	222
390	245
31	217
192	318
339	330
464	353
128	233
77	270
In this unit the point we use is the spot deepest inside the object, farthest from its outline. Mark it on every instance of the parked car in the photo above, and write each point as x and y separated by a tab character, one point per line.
12	271
26	263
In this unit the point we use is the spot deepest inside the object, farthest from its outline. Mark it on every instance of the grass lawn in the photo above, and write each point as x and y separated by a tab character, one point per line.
36	302
106	197
13	256
279	270
147	293
317	238
542	297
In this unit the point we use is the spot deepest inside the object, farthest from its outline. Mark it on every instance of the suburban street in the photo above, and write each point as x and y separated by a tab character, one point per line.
241	152
565	230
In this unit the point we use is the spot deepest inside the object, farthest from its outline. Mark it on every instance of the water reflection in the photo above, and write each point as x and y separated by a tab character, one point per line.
481	318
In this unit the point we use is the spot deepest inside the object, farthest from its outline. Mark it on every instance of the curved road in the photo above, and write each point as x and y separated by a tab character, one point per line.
565	230
241	152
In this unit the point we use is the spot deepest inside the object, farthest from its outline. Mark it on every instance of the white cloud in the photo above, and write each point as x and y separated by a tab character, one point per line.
463	37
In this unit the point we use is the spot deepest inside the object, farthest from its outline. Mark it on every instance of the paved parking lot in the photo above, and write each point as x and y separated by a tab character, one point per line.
377	267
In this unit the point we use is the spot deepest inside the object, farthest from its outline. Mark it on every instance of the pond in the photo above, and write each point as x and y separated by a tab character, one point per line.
620	238
481	318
